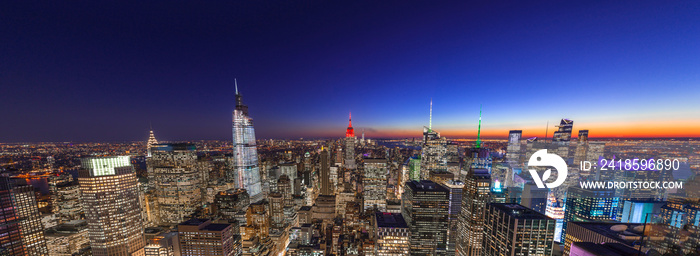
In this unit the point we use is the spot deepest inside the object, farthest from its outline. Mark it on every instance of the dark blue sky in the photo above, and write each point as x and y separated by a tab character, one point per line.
96	71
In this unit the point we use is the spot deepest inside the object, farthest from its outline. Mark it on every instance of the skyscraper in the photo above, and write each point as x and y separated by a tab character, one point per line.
513	152
426	210
245	154
110	198
21	231
471	219
563	134
477	157
374	186
456	193
177	181
325	174
202	237
433	150
512	229
151	141
276	210
350	146
589	205
392	234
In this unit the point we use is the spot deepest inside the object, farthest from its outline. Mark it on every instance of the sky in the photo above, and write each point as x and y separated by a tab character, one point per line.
107	71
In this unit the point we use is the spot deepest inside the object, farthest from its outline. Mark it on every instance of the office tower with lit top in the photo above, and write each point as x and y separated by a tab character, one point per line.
110	198
350	146
374	186
512	229
477	157
177	181
21	231
245	154
477	186
433	150
151	141
425	208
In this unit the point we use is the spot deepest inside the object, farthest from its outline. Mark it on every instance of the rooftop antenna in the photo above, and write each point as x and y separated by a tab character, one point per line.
478	133
236	84
430	123
546	131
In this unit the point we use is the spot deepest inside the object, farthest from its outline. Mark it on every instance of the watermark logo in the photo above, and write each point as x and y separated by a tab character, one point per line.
541	158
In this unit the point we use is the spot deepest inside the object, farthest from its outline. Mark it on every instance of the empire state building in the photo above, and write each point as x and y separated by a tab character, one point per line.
245	154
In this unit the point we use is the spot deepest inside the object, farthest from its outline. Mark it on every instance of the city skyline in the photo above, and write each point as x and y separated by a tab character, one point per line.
618	69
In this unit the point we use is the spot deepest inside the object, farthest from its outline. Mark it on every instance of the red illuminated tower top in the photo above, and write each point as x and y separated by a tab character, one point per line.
350	132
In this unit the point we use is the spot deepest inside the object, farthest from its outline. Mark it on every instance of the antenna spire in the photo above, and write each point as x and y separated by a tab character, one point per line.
350	120
430	123
236	84
546	131
478	133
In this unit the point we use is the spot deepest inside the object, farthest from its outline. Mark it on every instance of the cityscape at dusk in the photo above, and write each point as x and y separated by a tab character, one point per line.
363	128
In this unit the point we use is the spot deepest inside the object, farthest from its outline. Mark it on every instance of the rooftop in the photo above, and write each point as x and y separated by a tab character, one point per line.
390	220
625	233
426	186
519	212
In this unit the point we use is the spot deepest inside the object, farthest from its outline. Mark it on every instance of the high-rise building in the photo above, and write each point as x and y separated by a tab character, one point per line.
257	221
426	210
470	229
65	200
289	169
513	152
163	244
202	237
177	181
228	204
392	234
589	205
374	183
563	134
21	231
151	141
325	174
350	146
245	155
412	166
512	229
276	210
110	198
534	198
67	238
456	193
284	186
433	151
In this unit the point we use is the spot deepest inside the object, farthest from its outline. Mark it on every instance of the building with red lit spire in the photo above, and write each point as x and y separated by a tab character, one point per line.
350	145
350	132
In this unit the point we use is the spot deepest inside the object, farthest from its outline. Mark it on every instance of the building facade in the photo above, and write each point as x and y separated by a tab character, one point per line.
246	173
512	229
177	181
110	198
426	210
374	183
